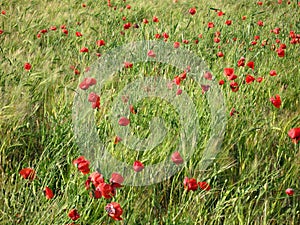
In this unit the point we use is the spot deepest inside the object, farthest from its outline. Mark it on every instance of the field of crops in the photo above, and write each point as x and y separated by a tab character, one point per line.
149	112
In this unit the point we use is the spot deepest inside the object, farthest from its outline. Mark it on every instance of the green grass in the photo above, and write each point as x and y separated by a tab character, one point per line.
257	162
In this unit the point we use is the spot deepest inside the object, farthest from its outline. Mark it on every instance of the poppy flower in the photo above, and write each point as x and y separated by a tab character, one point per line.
157	36
116	178
27	66
128	6
276	30
96	178
210	24
220	54
48	193
73	214
249	79
228	22
100	43
207	75
114	210
251	65
78	34
106	190
27	173
3	12
117	140
220	13
234	86
1	31
241	62
190	184
176	158
204	88
232	77
126	26
244	17
294	134
123	121
276	101
290	191
84	49
260	23
280	52
65	31
128	64
165	35
43	31
192	11
176	44
232	112
228	71
259	79
82	164
259	3
93	97
221	82
217	40
177	80
151	53
132	109
155	19
273	73
179	92
185	41
204	186
138	166
87	82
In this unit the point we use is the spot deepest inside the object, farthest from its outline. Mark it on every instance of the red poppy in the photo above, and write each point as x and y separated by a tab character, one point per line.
249	79
253	42
290	191
48	193
128	64
65	31
151	53
43	31
1	31
116	178
228	22
27	173
276	101
241	62
128	7
207	75
220	13
127	26
155	19
228	71
185	41
259	3
179	92
107	191
251	65
138	166
273	73
232	112
276	30
221	82
260	23
190	184
123	121
210	25
176	158
117	140
280	52
282	46
84	49
294	134
114	210
3	12
244	17
259	79
204	88
93	97
192	11
177	80
100	43
87	82
176	44
204	186
145	21
82	164
234	86
217	40
73	214
157	36
220	54
78	34
132	109
165	35
27	66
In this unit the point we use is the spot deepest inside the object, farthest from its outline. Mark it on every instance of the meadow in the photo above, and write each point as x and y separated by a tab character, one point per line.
251	49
